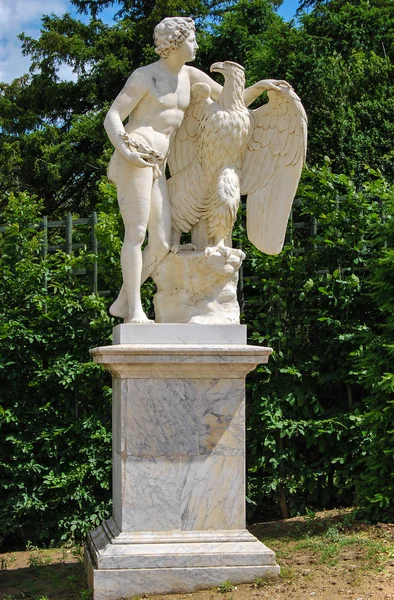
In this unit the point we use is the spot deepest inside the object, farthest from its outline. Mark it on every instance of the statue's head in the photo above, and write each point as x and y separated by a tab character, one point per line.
172	32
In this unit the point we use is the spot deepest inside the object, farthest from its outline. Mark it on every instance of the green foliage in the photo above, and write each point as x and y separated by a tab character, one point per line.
247	22
340	61
6	560
306	430
376	489
55	402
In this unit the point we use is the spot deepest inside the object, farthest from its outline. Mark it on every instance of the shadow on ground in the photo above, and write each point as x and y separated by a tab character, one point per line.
60	581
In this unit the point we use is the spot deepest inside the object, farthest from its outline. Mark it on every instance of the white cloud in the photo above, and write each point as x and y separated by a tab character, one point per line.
17	16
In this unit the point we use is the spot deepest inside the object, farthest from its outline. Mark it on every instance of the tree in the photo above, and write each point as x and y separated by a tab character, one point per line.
340	61
52	141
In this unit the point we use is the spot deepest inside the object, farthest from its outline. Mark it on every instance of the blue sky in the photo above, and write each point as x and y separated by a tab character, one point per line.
25	15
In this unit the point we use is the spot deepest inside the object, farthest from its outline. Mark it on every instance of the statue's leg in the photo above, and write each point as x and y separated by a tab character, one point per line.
134	188
159	228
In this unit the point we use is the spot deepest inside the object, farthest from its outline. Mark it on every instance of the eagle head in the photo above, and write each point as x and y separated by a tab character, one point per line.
227	67
234	82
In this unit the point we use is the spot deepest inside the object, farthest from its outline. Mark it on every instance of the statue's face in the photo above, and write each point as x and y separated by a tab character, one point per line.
188	49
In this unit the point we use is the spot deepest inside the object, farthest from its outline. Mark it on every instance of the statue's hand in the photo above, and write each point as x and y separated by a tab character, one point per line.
278	85
138	159
141	155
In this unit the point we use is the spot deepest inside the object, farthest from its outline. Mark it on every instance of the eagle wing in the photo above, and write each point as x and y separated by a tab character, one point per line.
272	166
186	184
184	146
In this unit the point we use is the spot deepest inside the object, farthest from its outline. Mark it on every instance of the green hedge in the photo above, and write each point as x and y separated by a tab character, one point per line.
319	414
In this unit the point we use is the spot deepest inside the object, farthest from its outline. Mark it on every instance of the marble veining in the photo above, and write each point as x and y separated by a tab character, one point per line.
192	352
118	484
161	556
150	500
222	416
161	417
212	492
178	472
115	536
139	361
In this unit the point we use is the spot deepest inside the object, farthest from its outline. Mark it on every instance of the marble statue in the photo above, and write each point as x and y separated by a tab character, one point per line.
174	113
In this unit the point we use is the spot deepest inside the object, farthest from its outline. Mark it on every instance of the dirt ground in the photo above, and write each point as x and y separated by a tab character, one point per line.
325	556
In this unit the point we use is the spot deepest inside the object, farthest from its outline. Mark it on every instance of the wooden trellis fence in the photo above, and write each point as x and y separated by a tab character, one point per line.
69	245
69	223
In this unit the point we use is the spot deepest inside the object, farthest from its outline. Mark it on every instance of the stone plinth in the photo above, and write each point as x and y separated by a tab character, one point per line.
178	333
178	470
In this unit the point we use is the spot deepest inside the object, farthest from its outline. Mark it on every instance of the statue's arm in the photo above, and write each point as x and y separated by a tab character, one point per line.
135	89
254	91
197	76
250	93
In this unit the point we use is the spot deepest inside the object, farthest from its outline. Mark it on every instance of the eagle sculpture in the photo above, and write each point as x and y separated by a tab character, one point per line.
224	150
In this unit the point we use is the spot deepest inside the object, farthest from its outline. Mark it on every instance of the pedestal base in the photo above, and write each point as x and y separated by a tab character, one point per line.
120	565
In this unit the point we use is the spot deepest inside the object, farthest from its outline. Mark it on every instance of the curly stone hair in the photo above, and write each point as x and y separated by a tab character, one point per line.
171	32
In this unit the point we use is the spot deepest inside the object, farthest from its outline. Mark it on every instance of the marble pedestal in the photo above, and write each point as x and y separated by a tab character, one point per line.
178	519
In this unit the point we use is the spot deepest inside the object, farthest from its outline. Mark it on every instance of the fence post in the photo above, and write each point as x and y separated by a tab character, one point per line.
314	230
94	246
313	226
44	253
69	233
44	227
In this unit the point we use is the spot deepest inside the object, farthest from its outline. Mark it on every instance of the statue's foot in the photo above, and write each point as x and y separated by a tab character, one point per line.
138	316
119	309
175	248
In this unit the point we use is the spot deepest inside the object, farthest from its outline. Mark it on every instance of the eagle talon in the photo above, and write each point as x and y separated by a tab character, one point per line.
219	249
175	248
210	251
238	253
224	251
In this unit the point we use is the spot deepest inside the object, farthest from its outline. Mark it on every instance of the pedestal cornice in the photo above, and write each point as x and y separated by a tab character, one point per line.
138	361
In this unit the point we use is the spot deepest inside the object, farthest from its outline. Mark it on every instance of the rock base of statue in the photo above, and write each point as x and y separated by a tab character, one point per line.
178	521
198	287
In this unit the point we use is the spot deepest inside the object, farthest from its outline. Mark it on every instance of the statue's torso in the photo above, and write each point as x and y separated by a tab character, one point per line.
159	114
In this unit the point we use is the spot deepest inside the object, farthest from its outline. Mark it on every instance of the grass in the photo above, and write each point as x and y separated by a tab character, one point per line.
44	574
331	546
314	551
226	586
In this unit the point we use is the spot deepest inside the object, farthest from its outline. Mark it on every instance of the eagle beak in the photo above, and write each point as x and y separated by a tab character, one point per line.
217	67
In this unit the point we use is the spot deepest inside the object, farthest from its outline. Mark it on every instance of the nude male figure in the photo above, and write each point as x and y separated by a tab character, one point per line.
154	99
